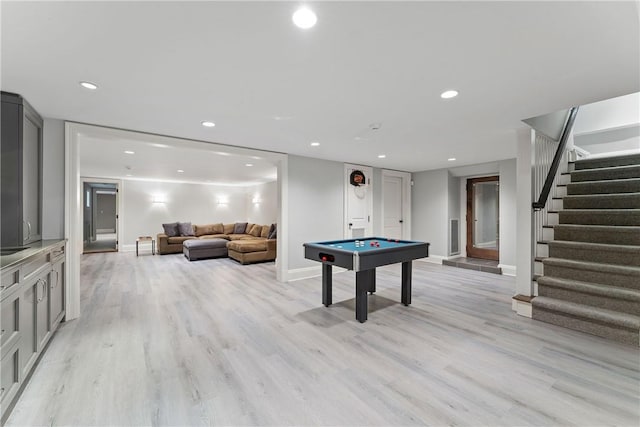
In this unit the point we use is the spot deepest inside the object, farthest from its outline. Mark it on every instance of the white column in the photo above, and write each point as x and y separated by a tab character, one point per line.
525	243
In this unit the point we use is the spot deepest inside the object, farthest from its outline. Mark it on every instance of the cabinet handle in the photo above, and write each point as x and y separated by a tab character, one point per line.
57	279
29	228
43	283
1	391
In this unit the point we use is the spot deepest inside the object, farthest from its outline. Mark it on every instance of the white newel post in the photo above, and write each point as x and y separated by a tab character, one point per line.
525	243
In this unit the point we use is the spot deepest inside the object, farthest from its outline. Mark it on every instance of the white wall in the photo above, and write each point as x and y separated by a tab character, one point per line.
316	201
429	210
53	179
194	203
508	233
609	114
266	211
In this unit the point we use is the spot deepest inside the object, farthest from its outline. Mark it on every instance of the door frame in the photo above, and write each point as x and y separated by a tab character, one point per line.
368	170
477	252
406	201
118	184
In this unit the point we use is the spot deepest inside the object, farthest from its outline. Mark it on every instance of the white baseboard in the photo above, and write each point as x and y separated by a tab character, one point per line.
508	270
522	308
127	248
307	272
436	259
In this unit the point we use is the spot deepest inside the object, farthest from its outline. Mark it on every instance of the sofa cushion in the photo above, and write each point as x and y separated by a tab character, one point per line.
201	230
239	228
179	239
171	229
265	231
228	228
245	246
186	229
214	236
255	230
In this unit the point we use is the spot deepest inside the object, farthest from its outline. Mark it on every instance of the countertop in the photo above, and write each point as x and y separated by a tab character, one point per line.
35	248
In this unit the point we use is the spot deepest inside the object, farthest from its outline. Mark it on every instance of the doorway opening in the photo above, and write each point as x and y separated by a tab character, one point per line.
100	217
483	219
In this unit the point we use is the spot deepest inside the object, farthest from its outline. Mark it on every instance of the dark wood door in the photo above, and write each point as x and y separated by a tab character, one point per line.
483	213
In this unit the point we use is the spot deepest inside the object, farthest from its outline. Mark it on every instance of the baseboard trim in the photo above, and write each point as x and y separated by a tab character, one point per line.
508	270
127	248
522	305
307	272
435	259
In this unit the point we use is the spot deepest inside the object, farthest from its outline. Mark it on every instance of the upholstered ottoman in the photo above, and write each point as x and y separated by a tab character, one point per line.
195	249
248	251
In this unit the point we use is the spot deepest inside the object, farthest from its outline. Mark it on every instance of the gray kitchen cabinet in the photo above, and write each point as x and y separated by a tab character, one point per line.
21	183
57	287
32	329
32	305
10	375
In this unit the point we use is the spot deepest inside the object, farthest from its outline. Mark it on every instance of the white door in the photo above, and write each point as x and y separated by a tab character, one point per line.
358	203
392	209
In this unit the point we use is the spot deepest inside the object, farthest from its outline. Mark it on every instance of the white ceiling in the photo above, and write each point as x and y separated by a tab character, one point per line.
163	67
102	155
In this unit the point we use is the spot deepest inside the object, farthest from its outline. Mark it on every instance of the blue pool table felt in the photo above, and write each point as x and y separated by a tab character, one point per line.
350	245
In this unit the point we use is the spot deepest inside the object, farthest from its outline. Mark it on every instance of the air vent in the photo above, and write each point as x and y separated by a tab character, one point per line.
454	236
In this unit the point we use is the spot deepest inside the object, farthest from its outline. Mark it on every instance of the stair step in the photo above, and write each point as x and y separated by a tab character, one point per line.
615	235
622	327
604	187
603	296
595	252
623	276
601	174
593	163
602	201
600	216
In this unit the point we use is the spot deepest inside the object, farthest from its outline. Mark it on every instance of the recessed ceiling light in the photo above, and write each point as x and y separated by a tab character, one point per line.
382	156
180	171
451	159
89	85
129	152
304	18
315	143
248	164
129	174
159	145
208	124
449	94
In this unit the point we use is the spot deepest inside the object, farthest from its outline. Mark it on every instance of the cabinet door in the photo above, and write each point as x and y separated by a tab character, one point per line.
56	294
31	178
43	326
28	344
10	377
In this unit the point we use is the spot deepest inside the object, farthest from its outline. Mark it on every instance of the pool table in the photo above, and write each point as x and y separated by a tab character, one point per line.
363	256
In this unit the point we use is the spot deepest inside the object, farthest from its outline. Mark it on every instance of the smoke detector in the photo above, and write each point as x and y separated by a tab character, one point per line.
375	126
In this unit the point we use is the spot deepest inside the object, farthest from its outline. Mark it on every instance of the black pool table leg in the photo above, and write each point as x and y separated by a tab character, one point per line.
372	285
327	282
363	285
406	283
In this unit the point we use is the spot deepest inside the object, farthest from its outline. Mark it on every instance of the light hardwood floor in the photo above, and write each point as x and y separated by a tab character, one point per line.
165	341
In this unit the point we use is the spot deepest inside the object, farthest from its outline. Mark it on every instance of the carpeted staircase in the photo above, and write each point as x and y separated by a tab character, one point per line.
591	278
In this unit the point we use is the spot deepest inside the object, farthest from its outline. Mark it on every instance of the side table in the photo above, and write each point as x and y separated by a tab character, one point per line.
144	240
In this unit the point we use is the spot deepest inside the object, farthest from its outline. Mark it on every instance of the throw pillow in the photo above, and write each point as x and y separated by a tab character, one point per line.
185	229
273	231
171	229
228	228
239	228
255	230
265	231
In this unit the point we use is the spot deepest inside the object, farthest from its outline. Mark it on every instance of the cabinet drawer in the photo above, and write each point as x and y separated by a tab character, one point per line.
9	319
34	264
10	376
8	282
57	253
